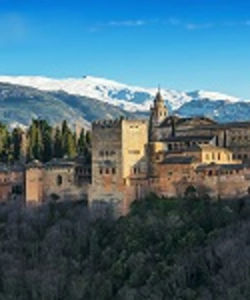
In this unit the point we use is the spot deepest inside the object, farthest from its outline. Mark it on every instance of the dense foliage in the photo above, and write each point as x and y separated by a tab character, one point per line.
164	249
42	142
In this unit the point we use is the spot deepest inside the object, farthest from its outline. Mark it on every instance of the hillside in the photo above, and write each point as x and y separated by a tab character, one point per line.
20	104
164	249
91	98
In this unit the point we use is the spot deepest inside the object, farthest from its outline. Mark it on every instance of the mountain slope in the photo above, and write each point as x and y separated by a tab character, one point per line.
89	98
19	105
131	98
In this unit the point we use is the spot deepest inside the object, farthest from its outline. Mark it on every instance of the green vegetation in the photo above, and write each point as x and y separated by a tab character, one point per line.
164	249
43	142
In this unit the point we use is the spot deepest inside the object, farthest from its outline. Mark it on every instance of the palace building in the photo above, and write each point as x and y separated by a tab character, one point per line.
165	155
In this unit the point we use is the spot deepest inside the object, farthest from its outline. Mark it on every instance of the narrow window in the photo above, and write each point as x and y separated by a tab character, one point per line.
113	171
59	180
107	171
100	171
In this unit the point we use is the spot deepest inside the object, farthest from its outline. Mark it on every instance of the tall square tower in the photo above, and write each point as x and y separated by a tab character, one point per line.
118	151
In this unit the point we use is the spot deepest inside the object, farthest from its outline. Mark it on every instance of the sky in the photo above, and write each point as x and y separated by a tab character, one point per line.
179	44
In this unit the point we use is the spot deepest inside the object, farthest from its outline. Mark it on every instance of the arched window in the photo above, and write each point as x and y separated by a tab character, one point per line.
59	180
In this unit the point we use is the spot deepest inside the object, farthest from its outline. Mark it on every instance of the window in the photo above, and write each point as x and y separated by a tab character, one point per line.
213	156
101	153
210	173
59	180
219	156
100	171
207	156
107	171
113	171
134	152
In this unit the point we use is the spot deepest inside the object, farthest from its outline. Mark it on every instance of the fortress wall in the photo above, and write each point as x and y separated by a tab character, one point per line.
34	185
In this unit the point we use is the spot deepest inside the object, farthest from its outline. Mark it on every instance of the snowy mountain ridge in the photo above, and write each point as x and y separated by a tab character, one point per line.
130	98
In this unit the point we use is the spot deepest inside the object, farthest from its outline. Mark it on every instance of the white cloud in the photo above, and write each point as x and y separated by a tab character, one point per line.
193	26
172	21
127	23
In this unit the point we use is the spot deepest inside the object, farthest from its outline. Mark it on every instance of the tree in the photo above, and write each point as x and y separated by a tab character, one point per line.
17	143
58	148
70	145
81	147
88	138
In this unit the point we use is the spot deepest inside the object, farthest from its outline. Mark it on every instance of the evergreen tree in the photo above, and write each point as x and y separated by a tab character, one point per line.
58	149
81	146
17	143
47	145
88	138
70	145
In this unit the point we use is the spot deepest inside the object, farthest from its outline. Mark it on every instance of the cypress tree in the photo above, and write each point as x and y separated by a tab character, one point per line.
58	149
17	143
81	146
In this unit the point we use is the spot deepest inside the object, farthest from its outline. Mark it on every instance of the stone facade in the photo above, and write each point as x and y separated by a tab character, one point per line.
118	154
132	158
58	180
12	183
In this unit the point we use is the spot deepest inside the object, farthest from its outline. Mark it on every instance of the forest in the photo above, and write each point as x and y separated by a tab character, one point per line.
186	248
40	141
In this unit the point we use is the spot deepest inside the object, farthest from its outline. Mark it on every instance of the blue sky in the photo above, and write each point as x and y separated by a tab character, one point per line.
181	44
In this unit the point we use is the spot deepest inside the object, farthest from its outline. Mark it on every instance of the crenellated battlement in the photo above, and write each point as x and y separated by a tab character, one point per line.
104	124
116	123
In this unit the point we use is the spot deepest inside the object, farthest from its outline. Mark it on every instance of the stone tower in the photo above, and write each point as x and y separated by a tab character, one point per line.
158	113
118	152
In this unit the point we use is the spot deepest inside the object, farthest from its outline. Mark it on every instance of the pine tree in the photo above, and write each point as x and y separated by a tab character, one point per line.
47	145
88	138
58	149
17	143
81	146
70	145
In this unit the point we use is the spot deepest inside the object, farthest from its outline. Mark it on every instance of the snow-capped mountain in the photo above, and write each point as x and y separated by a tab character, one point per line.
90	98
130	98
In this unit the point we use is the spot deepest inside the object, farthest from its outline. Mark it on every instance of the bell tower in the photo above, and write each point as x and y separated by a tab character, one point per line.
158	113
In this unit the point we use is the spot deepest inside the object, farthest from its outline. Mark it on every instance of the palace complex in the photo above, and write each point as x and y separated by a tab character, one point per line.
166	155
